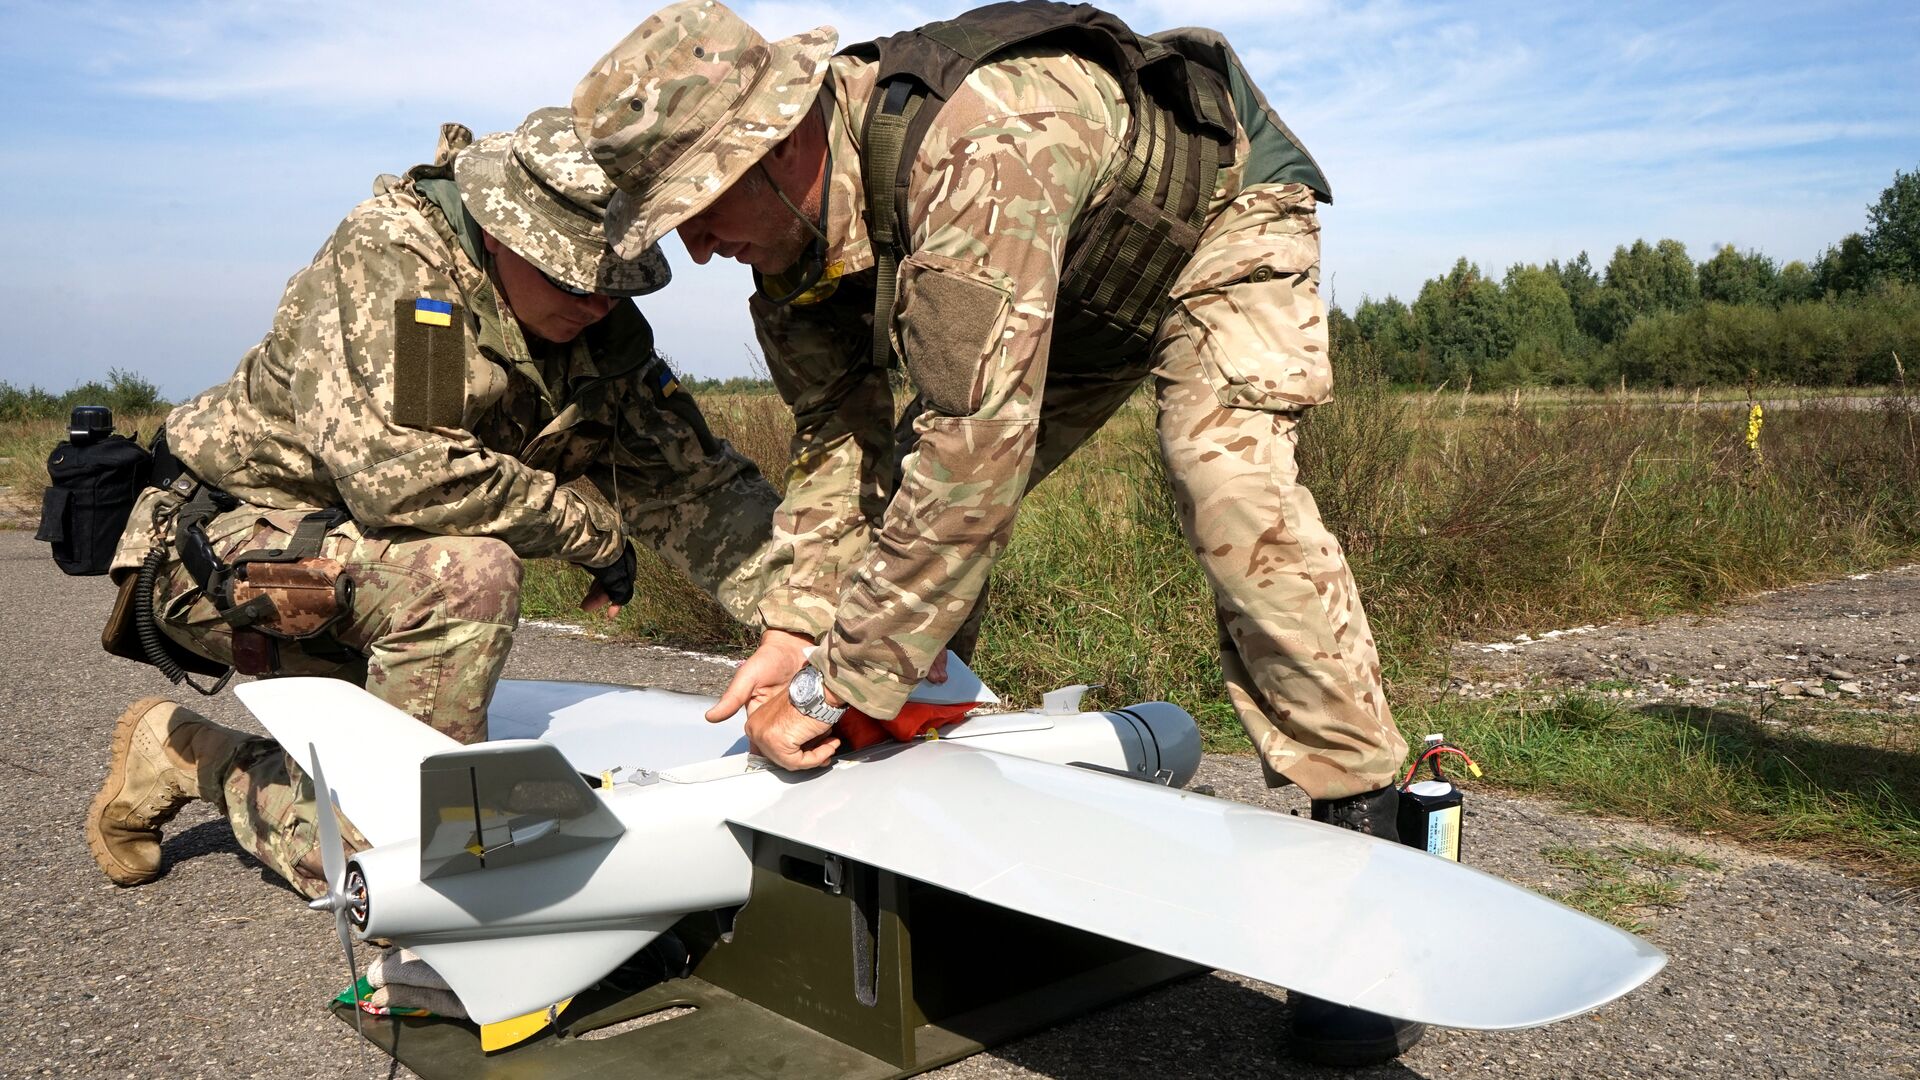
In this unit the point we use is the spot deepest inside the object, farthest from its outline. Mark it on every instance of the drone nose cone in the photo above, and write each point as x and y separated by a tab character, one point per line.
1175	736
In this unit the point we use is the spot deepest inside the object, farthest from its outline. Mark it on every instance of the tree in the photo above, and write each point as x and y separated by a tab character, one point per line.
1460	319
1583	291
1893	230
1387	328
1733	277
1795	284
1845	267
1643	280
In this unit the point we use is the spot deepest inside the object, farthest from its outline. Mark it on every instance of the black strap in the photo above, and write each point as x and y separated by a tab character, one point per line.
885	141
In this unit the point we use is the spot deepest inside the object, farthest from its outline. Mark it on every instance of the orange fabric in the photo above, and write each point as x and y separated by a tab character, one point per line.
858	730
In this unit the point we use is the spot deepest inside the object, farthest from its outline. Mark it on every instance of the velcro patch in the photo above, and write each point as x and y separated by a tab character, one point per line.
429	364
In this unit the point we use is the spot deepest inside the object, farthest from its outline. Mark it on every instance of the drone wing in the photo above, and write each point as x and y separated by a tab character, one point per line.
1282	899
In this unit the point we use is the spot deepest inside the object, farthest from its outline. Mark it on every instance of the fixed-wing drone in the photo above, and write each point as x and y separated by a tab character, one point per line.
521	883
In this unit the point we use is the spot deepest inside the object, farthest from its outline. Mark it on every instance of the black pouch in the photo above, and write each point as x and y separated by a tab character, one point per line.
92	493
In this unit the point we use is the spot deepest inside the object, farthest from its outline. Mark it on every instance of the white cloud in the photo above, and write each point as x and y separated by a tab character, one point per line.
1504	131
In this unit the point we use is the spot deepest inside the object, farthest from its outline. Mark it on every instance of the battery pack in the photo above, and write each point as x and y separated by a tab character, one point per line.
1430	818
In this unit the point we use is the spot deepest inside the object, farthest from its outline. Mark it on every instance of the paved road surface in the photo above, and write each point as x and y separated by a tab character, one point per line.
1779	968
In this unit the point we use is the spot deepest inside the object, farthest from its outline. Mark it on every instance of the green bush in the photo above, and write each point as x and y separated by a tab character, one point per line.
126	393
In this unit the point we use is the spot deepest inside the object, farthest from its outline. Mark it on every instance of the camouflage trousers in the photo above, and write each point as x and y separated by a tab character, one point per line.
1300	663
432	621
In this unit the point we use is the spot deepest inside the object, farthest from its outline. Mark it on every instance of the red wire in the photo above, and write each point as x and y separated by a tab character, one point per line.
1422	760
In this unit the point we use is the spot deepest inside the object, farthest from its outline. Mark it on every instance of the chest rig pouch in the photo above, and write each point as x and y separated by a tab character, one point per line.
1123	257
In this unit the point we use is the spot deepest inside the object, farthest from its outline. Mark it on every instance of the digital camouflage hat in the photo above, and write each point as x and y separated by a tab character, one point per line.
685	105
536	191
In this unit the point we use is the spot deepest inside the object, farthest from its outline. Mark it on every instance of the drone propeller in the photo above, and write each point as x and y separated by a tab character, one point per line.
340	899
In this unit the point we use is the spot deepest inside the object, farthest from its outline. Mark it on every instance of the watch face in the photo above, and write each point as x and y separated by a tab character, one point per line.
805	689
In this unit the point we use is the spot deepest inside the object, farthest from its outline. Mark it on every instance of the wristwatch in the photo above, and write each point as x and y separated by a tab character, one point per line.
810	698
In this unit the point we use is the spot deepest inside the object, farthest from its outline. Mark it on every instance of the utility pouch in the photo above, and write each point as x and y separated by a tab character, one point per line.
121	636
288	600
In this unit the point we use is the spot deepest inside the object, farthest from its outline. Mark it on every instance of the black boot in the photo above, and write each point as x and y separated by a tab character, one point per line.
1328	1034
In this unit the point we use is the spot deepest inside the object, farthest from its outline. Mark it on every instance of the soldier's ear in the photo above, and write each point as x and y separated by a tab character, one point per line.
492	245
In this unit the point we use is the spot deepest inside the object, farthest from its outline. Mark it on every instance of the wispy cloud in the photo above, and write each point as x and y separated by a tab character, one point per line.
210	146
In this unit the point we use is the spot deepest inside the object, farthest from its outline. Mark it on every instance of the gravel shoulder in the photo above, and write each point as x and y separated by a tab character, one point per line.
1853	640
1780	968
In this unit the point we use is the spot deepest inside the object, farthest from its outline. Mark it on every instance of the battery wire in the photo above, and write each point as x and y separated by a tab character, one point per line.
1443	748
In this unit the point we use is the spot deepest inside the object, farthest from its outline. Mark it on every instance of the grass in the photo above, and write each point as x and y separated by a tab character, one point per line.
1620	882
1840	786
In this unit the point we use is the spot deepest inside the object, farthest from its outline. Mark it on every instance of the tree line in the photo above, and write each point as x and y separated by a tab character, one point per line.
1654	317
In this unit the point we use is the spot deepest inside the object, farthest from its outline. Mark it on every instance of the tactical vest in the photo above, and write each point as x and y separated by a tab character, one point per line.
1121	262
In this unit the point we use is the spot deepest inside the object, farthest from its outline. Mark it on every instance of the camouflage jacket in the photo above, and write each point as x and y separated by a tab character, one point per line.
538	447
1027	146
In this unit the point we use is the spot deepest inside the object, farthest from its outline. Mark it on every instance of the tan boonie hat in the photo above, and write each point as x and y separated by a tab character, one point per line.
536	191
685	105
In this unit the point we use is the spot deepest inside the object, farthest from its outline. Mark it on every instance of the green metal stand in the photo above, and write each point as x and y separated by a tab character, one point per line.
832	969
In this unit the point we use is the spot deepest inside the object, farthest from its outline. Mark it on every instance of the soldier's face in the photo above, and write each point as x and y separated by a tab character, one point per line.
748	223
544	311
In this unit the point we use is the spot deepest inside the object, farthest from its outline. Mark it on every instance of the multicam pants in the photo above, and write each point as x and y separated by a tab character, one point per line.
432	621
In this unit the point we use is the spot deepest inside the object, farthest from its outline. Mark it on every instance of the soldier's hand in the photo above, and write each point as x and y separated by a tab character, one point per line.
612	584
767	672
787	737
937	671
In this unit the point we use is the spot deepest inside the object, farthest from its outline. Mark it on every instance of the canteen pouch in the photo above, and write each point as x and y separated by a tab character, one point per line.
88	501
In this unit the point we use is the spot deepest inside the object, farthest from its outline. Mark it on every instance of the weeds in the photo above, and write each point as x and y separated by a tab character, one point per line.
1620	881
1846	791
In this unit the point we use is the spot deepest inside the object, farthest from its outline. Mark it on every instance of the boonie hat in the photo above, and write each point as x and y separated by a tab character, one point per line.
685	105
536	191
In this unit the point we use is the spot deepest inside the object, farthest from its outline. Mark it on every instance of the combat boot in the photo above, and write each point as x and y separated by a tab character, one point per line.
1327	1034
164	757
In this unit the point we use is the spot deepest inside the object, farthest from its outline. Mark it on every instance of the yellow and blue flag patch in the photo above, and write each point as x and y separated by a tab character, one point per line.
433	312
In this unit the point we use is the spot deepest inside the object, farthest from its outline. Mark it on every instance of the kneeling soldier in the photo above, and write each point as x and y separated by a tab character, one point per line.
453	386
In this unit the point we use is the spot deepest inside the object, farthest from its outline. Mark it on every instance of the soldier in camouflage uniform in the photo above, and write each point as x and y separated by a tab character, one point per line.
457	369
754	151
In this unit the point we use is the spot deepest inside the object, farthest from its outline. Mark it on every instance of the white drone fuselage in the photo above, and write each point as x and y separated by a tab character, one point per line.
521	884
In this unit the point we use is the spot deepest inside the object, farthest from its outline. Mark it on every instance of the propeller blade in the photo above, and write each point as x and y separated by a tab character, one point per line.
353	966
333	858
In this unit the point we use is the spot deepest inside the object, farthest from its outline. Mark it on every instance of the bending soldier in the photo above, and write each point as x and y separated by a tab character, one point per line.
453	386
1037	211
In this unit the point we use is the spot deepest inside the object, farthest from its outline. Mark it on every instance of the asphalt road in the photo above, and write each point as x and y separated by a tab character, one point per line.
1780	968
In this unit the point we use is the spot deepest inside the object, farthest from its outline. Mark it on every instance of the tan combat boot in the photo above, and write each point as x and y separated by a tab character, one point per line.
164	757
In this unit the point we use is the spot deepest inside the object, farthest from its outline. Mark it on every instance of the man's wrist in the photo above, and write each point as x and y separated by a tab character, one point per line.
807	694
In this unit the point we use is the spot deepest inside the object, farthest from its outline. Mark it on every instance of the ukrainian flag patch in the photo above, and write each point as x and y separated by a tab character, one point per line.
433	312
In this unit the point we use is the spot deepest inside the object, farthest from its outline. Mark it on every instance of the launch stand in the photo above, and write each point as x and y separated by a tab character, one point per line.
832	969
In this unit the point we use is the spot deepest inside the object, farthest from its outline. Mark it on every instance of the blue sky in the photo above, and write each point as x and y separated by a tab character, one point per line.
168	166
